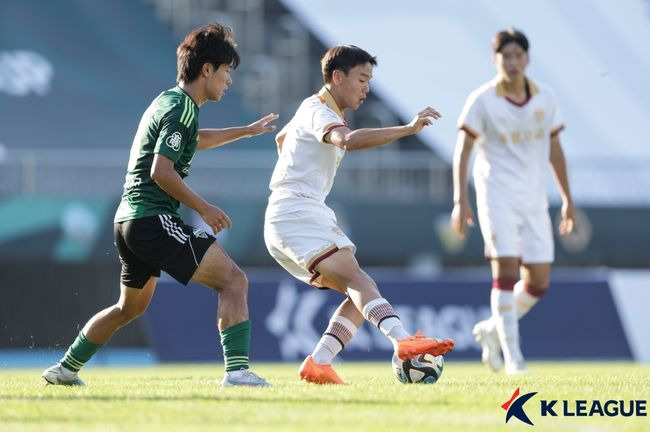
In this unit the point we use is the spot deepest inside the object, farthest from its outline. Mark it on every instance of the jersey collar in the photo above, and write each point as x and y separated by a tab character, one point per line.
326	97
188	95
501	90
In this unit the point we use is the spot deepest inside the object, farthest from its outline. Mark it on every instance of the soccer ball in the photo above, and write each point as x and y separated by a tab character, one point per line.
423	369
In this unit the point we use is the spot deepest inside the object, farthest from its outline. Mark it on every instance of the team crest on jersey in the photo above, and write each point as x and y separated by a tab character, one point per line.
199	233
174	141
539	115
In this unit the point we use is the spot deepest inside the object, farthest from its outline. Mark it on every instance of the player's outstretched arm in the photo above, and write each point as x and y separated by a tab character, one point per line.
163	173
558	163
461	215
211	138
368	138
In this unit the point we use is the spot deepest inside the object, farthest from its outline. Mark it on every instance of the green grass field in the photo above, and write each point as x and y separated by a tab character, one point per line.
187	398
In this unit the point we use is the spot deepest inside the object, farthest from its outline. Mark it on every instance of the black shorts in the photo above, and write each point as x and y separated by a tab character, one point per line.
155	243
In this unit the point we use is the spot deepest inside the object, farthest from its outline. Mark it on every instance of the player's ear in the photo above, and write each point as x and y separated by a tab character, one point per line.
337	76
207	69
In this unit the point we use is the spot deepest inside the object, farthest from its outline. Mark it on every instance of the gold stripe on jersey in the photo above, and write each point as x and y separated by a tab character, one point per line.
325	96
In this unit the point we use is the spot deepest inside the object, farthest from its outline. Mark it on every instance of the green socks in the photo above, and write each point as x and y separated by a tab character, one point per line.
79	353
235	341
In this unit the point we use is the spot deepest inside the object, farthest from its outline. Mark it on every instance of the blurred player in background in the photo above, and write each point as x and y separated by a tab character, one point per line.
515	123
149	234
301	231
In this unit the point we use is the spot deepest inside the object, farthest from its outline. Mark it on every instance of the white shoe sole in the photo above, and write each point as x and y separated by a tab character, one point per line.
490	351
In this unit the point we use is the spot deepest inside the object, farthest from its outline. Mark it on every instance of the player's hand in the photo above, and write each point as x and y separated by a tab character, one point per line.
567	218
262	125
216	218
423	118
462	216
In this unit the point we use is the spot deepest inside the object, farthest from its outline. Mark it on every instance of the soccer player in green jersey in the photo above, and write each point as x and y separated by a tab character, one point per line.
149	234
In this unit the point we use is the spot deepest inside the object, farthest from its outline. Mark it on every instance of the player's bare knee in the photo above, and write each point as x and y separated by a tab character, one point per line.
128	313
237	282
539	283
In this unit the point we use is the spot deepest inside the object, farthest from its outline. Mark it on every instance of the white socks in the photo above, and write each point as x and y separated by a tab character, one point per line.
523	299
381	313
504	314
339	332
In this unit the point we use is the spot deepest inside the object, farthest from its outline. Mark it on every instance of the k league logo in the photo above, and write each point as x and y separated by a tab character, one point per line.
515	407
574	408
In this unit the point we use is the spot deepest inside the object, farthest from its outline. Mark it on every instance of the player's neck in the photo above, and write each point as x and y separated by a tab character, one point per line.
515	89
337	98
192	89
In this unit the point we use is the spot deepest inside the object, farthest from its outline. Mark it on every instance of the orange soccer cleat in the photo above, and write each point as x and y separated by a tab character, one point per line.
318	374
412	346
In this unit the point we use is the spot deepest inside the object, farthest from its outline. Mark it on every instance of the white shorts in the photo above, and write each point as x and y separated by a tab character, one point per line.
509	232
299	240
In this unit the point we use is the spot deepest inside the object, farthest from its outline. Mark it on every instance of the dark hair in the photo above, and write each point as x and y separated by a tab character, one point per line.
344	58
212	43
504	37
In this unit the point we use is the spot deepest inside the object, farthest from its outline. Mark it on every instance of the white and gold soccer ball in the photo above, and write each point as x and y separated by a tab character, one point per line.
422	369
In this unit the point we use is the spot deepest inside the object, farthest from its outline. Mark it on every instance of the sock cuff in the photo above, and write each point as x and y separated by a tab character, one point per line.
371	304
83	339
503	284
341	329
378	310
235	330
345	323
534	291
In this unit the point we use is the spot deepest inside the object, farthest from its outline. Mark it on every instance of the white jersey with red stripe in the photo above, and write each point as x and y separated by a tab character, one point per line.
513	143
307	165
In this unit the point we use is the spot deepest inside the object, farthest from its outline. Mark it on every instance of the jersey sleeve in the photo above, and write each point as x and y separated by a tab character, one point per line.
173	136
471	118
323	121
557	122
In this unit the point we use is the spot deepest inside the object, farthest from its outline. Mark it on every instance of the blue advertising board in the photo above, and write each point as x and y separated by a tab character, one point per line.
577	318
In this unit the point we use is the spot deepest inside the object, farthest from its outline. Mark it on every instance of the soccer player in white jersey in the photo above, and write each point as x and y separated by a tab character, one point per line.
515	124
301	231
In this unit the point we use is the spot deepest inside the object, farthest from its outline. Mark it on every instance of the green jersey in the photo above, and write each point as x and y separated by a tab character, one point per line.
168	127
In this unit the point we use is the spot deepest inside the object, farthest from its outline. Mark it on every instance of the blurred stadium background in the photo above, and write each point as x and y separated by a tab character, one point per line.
76	75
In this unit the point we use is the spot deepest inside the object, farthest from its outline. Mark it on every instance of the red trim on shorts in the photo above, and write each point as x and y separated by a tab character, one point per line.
317	260
315	275
504	284
312	281
534	291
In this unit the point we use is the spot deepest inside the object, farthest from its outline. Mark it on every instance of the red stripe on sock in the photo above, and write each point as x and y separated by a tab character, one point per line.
504	284
534	291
